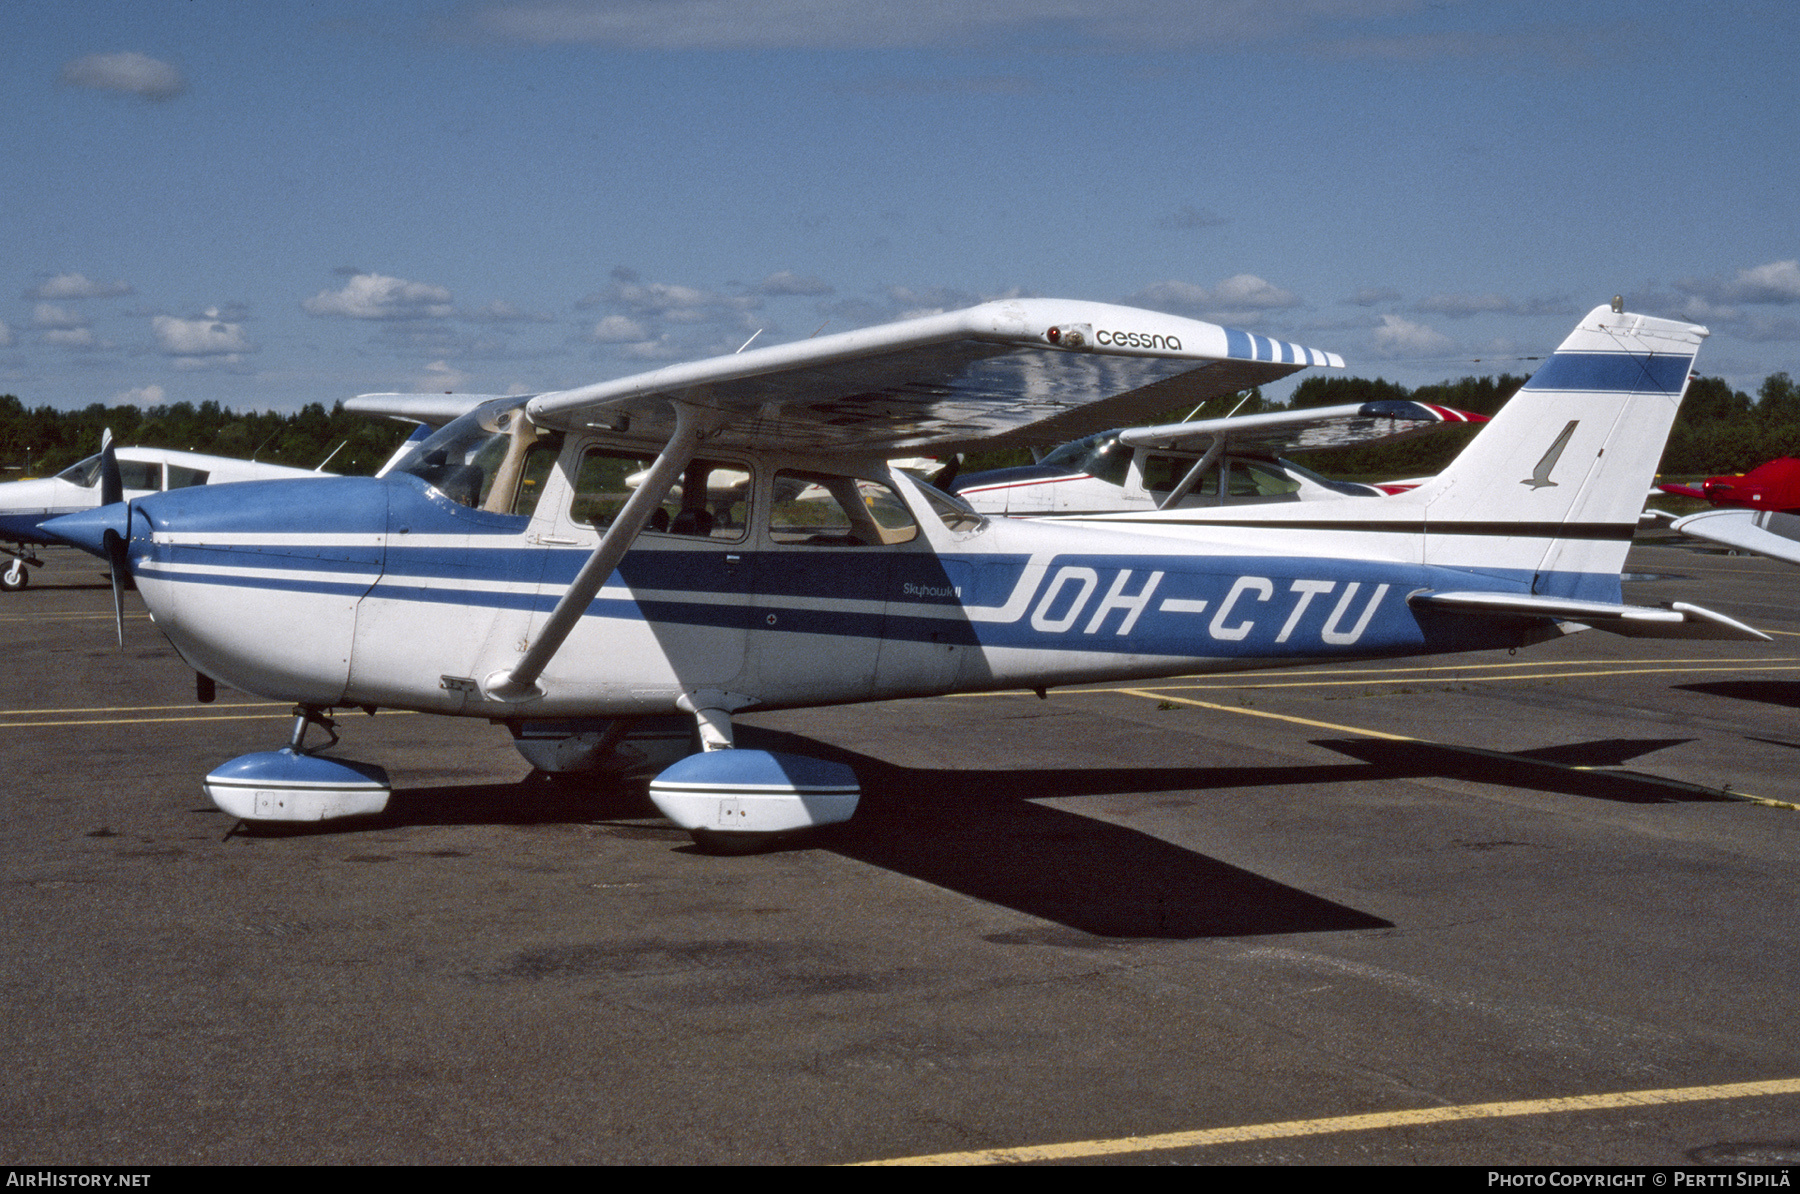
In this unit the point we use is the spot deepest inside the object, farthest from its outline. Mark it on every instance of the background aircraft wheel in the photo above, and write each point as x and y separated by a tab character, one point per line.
15	578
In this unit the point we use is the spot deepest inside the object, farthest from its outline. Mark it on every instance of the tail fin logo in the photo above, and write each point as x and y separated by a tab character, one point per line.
1540	476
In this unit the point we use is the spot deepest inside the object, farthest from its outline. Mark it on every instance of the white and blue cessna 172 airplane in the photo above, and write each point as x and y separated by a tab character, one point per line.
507	570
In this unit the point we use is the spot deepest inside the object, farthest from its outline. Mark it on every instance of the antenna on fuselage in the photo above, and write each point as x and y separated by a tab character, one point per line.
746	344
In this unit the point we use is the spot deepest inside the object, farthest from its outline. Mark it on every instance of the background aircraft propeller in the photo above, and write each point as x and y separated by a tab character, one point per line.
118	556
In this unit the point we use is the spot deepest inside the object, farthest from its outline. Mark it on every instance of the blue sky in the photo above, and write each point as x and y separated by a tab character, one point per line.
267	205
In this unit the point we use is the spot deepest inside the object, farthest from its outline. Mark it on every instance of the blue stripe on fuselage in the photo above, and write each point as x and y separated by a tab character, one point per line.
1198	605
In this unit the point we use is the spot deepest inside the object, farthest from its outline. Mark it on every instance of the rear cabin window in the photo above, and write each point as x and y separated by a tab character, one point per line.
829	510
710	501
182	477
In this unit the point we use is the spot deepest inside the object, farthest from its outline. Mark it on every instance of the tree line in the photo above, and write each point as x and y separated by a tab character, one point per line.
43	441
1719	430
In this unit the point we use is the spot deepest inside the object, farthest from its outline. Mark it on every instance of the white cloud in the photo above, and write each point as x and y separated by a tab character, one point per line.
501	312
133	73
71	338
1776	282
671	302
1370	296
618	329
441	378
144	396
932	300
377	296
1463	306
881	24
47	315
787	282
77	286
1238	299
1397	337
210	336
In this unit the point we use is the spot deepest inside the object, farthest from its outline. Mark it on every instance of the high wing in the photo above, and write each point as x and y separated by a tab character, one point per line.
1283	432
431	410
1762	531
1015	372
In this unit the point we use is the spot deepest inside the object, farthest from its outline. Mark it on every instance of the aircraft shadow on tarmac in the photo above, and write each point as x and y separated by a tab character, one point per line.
974	832
1785	693
983	834
1547	769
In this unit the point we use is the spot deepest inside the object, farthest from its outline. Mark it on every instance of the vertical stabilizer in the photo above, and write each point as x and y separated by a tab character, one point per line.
1552	487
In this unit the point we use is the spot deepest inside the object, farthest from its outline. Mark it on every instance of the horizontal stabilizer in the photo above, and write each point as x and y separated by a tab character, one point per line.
1677	620
1762	531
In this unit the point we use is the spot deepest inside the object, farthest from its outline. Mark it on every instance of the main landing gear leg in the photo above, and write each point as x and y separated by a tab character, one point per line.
293	784
740	801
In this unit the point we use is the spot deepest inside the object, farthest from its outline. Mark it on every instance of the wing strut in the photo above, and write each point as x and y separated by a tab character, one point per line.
520	683
1213	451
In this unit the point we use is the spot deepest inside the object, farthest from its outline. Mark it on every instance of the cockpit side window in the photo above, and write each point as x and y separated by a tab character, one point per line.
710	501
1163	473
140	474
182	477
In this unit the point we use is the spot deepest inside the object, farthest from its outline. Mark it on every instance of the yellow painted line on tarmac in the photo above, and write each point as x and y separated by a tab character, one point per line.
144	708
277	714
1524	663
106	617
1077	1149
1363	678
1482	752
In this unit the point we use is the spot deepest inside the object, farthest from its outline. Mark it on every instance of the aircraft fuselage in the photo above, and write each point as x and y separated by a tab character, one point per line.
387	592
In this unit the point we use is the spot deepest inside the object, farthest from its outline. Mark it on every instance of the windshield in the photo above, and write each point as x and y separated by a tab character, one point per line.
83	474
452	459
1101	456
955	511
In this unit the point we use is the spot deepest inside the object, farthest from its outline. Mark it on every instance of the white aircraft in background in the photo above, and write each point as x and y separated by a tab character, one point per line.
455	585
26	505
1223	461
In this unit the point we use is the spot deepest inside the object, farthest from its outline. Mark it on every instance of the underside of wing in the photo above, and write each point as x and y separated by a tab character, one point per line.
1018	372
1762	531
1307	429
1677	620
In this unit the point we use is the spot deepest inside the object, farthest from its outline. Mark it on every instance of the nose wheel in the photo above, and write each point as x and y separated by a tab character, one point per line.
16	576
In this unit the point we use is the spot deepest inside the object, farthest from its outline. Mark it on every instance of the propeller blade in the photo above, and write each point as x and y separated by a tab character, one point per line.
118	559
115	557
112	485
948	473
